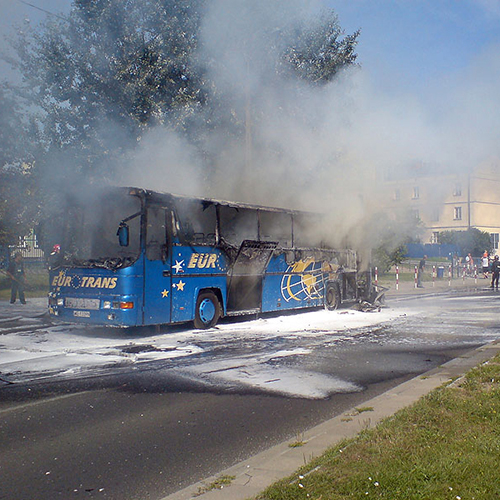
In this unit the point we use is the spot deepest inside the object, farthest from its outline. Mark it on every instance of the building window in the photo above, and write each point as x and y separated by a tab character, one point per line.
458	189
435	237
494	240
458	213
416	193
415	214
435	214
397	195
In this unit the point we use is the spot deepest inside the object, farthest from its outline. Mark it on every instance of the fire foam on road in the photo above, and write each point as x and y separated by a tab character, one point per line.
72	351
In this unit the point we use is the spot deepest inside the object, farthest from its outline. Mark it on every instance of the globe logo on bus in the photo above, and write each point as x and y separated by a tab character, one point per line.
306	285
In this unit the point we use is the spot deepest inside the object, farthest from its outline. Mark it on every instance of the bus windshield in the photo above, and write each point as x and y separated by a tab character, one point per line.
91	239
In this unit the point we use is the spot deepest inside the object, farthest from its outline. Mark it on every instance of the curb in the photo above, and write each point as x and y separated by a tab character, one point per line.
255	474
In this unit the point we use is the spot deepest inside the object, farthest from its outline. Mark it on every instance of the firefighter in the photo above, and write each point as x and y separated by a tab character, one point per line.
16	273
495	269
55	257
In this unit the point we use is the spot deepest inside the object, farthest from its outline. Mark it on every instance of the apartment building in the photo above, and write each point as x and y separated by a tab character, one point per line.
444	199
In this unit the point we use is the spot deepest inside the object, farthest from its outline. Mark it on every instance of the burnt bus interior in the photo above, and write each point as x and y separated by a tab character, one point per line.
86	229
249	236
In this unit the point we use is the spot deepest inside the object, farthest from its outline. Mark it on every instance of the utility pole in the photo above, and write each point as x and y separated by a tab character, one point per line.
468	202
248	134
248	125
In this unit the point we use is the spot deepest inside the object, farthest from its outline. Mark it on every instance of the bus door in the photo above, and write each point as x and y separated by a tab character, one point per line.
246	275
157	267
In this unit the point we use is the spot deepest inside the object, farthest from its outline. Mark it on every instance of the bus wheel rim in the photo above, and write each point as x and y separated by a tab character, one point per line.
207	310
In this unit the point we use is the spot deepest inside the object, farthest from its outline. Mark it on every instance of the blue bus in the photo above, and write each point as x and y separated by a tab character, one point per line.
130	257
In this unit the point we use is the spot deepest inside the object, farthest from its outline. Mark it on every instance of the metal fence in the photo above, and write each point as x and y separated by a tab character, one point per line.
28	246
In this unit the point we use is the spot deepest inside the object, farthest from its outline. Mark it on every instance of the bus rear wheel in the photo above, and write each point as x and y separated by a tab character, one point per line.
332	298
208	310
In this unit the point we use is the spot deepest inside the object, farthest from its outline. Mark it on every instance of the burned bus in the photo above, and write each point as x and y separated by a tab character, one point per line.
130	256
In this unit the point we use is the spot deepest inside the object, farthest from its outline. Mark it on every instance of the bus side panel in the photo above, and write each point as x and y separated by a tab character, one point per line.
292	285
97	296
195	269
157	292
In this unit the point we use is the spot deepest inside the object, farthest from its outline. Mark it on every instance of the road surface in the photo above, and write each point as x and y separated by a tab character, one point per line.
169	408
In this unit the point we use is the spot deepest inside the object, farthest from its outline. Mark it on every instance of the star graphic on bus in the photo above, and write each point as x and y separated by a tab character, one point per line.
180	286
178	266
164	294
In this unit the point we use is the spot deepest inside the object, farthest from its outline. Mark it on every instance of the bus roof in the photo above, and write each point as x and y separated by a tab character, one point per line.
163	197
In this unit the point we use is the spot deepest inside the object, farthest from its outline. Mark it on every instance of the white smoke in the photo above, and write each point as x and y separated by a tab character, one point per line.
323	147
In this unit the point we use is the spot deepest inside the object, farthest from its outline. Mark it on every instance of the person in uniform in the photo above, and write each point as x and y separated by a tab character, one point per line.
495	269
16	273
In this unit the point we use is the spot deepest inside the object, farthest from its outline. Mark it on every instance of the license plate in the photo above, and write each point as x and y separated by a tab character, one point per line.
81	314
81	303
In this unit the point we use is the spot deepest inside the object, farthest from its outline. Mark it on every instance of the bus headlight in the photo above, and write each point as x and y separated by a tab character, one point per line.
106	304
60	301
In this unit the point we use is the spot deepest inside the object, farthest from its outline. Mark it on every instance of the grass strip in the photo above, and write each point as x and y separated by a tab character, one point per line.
445	446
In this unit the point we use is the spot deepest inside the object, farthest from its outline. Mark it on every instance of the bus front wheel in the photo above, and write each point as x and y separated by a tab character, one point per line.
332	298
207	311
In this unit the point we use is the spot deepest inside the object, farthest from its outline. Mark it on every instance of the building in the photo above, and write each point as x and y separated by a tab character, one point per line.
445	200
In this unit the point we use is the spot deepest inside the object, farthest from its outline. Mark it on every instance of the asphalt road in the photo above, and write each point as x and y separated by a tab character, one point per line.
144	433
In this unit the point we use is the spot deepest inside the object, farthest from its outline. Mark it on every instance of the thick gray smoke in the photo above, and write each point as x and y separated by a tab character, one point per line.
319	148
292	153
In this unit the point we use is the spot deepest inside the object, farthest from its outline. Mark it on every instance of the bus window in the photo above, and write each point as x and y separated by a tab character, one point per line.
156	234
197	222
238	224
90	234
276	226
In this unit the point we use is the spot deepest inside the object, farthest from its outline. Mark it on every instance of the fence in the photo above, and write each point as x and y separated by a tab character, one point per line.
28	246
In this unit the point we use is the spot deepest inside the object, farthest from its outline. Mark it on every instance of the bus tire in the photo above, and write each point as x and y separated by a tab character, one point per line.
332	297
208	310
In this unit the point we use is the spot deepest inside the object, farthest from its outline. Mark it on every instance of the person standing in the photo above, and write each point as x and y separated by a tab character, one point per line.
16	274
468	262
486	264
420	273
55	257
495	269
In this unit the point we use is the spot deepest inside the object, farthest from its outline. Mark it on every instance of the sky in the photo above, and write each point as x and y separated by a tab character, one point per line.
405	45
411	45
14	14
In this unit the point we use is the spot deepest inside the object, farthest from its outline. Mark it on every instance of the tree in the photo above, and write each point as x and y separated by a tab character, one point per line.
18	201
321	51
116	68
112	69
388	238
473	241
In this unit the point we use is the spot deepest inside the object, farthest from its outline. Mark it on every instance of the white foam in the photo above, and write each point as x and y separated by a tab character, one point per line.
74	350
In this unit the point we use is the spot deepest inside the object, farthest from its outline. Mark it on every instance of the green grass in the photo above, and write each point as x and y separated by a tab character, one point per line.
403	277
218	484
299	441
362	409
445	446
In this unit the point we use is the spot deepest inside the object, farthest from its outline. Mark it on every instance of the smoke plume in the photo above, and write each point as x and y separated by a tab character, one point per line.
319	148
